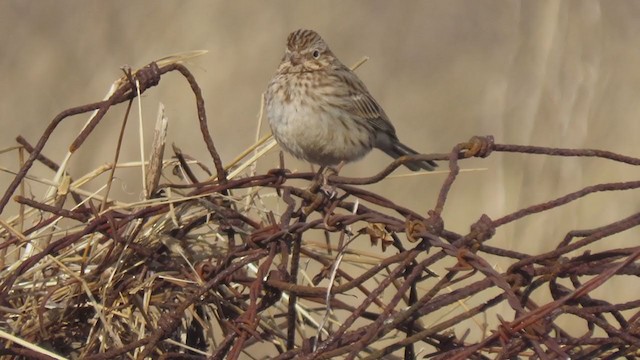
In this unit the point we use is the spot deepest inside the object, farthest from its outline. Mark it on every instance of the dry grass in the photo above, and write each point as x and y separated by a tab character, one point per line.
227	262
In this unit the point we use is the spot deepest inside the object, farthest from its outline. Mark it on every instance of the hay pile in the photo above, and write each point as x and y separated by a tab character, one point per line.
246	265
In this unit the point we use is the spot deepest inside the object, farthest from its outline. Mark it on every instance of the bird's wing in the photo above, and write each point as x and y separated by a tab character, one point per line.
366	106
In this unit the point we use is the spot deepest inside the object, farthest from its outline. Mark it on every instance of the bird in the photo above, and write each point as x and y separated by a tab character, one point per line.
320	111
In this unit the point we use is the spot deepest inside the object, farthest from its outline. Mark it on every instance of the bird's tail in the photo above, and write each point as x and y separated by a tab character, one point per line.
398	149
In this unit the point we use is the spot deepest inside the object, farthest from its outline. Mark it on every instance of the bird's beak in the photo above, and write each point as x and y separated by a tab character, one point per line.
294	58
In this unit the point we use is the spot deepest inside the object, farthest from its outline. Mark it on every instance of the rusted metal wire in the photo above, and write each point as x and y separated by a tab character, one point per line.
248	290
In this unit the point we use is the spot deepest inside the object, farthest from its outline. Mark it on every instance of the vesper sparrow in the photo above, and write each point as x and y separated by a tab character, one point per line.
320	111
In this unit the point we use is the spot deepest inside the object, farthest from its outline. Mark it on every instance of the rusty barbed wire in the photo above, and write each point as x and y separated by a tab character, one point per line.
247	290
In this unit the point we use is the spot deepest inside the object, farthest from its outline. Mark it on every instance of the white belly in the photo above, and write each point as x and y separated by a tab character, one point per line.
325	136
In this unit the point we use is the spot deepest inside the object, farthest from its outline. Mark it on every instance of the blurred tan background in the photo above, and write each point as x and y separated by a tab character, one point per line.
547	73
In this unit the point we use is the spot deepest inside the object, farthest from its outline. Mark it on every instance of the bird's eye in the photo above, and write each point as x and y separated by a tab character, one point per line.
316	54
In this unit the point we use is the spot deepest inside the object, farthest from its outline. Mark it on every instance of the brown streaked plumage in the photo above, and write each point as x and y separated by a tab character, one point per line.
320	111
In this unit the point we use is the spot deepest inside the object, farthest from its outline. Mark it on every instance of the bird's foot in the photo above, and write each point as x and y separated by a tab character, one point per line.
330	190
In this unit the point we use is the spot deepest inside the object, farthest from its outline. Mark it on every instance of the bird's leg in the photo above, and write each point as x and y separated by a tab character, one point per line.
317	182
330	190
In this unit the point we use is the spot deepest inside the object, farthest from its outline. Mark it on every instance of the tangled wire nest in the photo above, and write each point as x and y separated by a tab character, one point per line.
245	265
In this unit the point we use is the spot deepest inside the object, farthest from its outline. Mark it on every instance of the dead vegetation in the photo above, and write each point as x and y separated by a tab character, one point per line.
250	265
